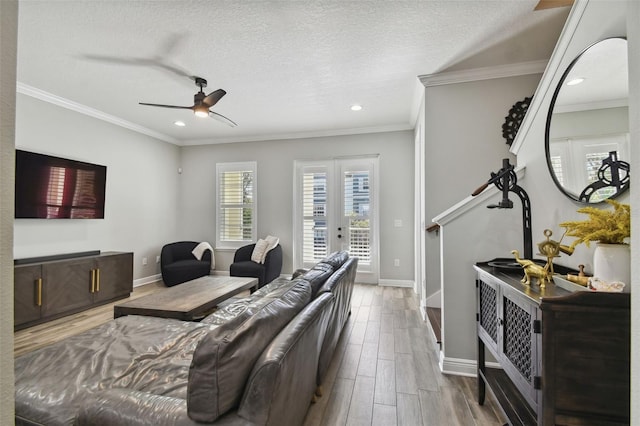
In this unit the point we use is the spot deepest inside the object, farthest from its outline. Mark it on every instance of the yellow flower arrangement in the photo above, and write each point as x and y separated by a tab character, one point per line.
604	226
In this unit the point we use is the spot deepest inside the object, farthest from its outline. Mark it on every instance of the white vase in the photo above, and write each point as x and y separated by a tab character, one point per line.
612	262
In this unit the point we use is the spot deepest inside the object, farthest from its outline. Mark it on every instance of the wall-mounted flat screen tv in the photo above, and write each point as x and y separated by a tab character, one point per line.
58	188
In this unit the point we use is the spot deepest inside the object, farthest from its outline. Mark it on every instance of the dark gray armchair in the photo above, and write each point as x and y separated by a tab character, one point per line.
179	265
266	272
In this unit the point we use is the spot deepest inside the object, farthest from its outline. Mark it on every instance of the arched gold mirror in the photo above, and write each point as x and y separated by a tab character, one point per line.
587	133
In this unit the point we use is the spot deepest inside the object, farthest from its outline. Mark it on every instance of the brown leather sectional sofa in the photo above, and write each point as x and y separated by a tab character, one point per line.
256	361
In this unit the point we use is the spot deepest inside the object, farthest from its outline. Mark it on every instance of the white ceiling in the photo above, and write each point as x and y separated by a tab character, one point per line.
290	68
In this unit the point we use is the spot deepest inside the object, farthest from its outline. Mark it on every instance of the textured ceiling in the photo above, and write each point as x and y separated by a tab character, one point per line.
290	68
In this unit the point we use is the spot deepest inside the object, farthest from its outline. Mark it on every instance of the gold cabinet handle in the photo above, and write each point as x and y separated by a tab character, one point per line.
98	280
93	281
39	292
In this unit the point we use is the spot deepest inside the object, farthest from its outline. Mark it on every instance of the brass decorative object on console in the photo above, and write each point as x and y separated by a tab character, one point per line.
551	249
581	278
533	270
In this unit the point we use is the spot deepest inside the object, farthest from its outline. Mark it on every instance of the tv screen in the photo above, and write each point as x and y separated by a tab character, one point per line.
58	188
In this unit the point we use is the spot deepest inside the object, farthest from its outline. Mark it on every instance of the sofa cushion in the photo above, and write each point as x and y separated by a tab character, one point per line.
317	276
224	357
336	259
187	265
234	307
137	353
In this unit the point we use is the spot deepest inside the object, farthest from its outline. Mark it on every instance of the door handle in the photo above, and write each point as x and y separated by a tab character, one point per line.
39	292
98	280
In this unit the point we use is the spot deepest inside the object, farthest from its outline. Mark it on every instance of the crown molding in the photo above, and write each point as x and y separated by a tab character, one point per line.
484	73
302	135
33	92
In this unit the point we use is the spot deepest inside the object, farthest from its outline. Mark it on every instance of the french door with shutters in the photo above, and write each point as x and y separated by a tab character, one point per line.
336	209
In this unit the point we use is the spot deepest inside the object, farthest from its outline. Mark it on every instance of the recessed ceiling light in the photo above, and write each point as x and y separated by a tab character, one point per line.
179	123
575	81
356	107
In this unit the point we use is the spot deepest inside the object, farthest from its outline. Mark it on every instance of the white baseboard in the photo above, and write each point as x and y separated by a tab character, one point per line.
423	310
459	367
435	300
147	280
462	367
396	283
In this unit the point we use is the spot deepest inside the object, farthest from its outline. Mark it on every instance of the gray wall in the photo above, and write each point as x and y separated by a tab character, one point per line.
8	43
464	143
141	193
275	190
590	122
549	205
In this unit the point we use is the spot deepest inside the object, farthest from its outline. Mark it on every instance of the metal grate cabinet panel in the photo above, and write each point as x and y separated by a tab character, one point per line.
489	310
517	338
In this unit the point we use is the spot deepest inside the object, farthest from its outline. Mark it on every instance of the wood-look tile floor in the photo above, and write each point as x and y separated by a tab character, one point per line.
384	371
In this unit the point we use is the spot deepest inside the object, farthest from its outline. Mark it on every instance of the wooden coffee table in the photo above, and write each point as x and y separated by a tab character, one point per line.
188	301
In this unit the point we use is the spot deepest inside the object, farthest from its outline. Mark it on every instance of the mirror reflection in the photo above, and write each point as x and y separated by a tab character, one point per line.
587	134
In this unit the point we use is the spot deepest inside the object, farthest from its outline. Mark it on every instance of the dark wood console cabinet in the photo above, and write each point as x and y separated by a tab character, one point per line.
564	356
44	290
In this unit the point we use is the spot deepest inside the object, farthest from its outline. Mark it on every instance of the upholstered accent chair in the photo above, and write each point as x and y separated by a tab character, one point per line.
266	272
178	264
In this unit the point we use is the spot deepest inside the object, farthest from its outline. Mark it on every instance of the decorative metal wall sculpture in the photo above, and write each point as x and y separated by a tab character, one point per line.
514	118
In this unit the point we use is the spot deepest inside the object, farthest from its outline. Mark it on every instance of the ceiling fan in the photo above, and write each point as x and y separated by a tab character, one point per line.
202	103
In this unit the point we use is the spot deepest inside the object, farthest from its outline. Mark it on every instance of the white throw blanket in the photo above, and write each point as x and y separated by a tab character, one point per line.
200	249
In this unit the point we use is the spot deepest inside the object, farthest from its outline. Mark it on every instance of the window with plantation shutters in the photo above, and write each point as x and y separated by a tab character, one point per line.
356	202
236	204
576	161
315	243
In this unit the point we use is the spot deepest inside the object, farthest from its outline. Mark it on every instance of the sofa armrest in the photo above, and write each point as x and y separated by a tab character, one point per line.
243	253
283	379
207	256
166	255
124	407
273	263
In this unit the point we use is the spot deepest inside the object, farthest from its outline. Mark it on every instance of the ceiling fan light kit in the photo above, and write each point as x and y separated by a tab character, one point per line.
201	110
201	103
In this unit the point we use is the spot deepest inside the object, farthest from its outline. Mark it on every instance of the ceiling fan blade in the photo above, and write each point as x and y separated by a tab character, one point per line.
166	106
222	119
549	4
156	62
114	59
213	97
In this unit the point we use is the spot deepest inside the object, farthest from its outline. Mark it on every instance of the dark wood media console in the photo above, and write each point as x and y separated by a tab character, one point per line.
46	288
564	356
